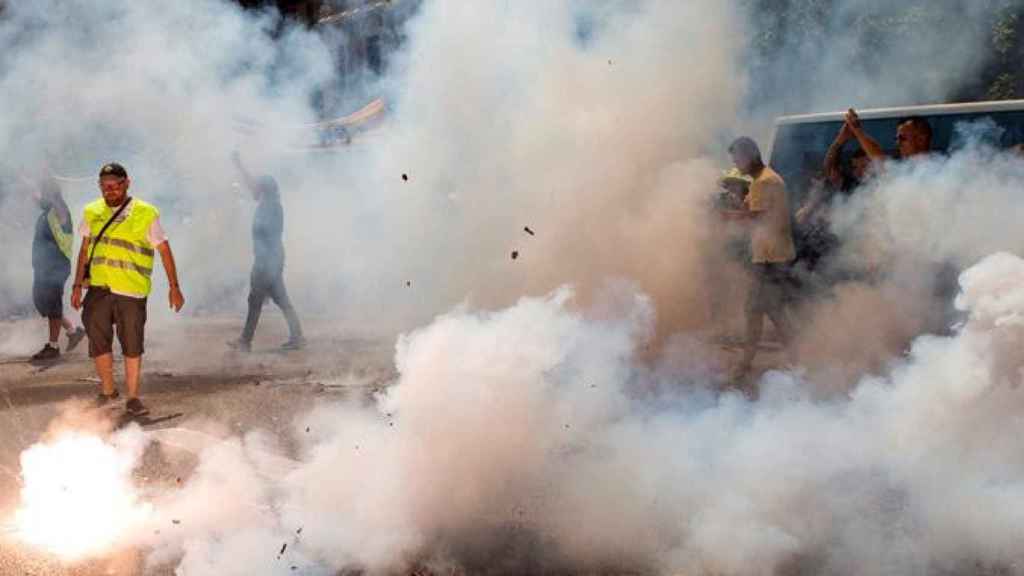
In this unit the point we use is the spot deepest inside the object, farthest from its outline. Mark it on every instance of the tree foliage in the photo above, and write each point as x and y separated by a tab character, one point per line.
788	39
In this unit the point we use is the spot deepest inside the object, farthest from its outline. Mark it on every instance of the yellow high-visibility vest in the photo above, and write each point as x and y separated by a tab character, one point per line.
123	260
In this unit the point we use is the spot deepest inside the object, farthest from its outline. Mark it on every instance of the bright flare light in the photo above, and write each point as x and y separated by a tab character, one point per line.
77	497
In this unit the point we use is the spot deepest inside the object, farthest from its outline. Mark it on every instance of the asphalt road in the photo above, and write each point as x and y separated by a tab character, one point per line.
190	378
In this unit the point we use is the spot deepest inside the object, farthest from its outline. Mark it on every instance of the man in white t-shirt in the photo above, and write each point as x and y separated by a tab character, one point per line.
120	238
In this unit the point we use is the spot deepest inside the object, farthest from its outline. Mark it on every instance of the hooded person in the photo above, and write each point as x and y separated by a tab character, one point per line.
52	244
267	276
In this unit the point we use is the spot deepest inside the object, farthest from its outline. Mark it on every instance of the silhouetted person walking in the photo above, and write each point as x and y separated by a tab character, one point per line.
52	244
267	277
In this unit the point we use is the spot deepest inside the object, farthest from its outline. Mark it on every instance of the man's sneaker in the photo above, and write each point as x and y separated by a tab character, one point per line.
135	407
47	353
105	399
74	339
240	345
294	344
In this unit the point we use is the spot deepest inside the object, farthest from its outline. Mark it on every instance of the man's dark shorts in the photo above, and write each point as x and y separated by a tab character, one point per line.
772	288
103	311
49	299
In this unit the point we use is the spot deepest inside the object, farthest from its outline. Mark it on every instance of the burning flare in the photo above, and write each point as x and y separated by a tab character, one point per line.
77	497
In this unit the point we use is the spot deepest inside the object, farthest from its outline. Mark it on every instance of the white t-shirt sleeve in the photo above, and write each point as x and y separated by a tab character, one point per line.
156	234
83	228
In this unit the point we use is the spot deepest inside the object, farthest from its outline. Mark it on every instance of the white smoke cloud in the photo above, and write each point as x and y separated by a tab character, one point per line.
529	438
614	172
907	232
161	89
514	441
85	482
955	208
503	118
574	119
824	56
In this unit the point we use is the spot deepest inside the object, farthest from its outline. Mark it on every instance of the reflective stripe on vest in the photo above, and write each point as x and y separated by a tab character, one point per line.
123	260
101	261
127	246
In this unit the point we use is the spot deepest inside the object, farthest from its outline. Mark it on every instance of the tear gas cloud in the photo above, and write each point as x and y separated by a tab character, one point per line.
954	209
604	172
523	434
572	118
914	225
530	451
554	135
162	90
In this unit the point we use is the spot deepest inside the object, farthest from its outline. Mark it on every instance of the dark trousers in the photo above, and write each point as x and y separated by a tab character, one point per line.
265	285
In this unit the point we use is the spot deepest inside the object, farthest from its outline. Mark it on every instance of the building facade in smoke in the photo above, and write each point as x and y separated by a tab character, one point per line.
306	11
363	35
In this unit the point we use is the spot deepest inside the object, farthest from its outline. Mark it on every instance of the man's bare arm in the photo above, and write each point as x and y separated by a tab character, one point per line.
811	206
819	194
175	297
870	146
250	182
76	288
831	164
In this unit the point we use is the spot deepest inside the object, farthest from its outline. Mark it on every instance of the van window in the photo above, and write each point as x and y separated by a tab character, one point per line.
798	150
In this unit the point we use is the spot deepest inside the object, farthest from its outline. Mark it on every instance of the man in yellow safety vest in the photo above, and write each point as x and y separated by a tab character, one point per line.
124	233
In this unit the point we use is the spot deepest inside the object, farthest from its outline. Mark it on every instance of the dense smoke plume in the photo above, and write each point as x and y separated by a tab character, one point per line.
579	133
591	123
912	227
515	442
524	433
548	128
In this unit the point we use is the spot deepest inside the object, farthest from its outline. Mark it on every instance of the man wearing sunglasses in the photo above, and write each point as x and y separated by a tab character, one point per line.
120	237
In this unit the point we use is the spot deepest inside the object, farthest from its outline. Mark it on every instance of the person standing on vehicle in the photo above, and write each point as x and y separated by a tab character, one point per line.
772	251
51	266
267	276
120	236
